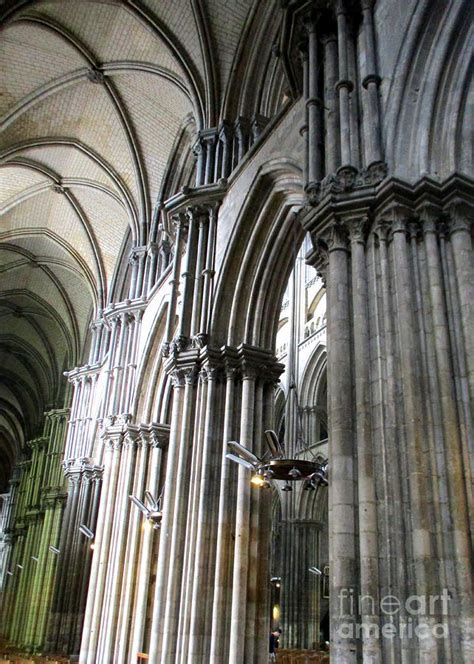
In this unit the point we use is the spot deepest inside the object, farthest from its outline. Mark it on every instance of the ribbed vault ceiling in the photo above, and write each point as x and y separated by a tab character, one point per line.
94	96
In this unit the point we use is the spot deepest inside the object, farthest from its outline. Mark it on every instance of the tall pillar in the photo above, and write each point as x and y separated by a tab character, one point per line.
344	85
221	630
156	438
371	83
181	507
400	480
242	524
314	109
178	378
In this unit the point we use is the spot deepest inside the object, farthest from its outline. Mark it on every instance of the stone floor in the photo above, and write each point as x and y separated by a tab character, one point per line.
19	658
292	656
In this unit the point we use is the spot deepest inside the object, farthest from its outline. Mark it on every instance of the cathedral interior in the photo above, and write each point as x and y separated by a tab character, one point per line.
221	218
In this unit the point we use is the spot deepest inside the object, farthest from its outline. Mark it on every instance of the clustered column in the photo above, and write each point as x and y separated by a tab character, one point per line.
341	92
211	573
198	225
35	523
399	276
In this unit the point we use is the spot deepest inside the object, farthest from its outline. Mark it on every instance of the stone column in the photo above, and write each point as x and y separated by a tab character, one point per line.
400	477
342	518
167	648
196	323
367	504
460	215
371	82
113	442
156	441
313	105
159	602
180	222
344	85
188	275
242	524
225	137
303	52
208	273
221	626
206	531
117	547
331	108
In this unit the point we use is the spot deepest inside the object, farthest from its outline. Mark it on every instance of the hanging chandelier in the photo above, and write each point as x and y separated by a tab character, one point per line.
276	467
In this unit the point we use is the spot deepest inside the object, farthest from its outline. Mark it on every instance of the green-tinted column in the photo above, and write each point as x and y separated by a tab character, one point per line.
26	576
37	581
46	593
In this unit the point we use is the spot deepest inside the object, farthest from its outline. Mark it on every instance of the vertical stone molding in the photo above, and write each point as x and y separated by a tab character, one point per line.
400	483
35	514
199	217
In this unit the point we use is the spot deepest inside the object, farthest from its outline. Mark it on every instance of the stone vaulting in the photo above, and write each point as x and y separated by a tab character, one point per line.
221	217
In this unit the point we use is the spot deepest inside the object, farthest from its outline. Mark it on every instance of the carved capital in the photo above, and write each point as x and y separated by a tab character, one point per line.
397	216
429	218
460	217
131	436
320	258
249	371
113	438
336	237
415	229
184	376
177	378
155	435
231	372
180	220
211	373
381	231
190	375
357	229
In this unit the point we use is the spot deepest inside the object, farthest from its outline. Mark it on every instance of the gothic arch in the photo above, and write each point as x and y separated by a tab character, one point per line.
428	101
260	256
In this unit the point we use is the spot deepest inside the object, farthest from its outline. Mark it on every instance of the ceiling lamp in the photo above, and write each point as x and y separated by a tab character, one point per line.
276	467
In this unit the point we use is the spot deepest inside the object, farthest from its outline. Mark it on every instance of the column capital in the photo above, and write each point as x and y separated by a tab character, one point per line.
113	437
155	434
131	435
358	229
184	375
180	220
460	216
225	131
38	443
430	216
336	237
397	215
319	257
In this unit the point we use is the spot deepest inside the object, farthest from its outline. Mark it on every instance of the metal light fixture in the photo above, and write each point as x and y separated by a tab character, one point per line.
86	531
315	571
277	467
153	514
